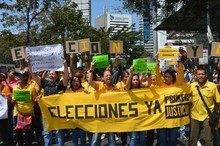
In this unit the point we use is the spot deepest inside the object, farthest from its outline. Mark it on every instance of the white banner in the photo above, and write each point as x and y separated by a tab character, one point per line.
3	107
48	57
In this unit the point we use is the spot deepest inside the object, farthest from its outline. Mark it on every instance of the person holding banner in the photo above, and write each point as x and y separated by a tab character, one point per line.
5	94
105	85
133	82
169	80
52	86
24	95
76	86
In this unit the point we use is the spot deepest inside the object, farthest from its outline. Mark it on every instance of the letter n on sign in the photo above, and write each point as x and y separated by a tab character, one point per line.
116	46
95	48
72	47
18	53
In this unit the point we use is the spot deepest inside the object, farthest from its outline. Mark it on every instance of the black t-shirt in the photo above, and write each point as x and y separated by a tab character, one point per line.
52	88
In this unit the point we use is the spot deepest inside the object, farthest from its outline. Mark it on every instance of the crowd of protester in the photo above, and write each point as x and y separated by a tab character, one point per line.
89	80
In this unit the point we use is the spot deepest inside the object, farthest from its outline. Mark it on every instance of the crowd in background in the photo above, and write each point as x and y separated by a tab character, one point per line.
87	79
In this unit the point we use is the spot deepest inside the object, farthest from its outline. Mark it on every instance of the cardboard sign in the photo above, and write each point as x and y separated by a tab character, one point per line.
84	45
3	107
101	61
72	47
48	57
18	53
95	48
165	53
195	51
152	67
140	66
22	95
116	47
215	49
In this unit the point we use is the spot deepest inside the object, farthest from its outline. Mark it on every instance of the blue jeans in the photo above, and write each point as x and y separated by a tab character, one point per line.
96	139
49	135
76	134
167	133
137	138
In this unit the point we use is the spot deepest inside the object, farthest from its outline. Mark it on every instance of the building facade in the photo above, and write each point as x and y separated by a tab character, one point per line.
116	21
85	7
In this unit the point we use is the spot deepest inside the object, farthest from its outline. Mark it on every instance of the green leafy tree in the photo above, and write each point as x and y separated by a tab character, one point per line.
25	14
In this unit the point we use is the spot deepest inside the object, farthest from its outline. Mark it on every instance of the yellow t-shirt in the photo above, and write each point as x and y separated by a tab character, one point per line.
210	94
179	77
25	107
103	87
5	90
121	85
87	87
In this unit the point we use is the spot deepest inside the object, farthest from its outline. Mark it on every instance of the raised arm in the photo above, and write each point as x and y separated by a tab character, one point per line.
180	71
159	79
92	83
66	73
128	82
72	65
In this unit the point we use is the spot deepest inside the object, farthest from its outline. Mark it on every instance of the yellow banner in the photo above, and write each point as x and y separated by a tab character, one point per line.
121	111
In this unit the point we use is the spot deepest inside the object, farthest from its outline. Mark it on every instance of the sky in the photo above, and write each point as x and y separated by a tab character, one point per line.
97	9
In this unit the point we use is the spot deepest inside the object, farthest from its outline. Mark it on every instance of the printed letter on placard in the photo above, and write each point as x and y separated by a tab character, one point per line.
95	48
116	46
72	47
18	53
84	45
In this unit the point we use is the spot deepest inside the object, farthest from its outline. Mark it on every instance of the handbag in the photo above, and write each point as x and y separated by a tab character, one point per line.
23	122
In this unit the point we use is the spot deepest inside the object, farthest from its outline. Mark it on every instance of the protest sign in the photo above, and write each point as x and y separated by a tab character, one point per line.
22	95
18	53
165	53
95	48
195	51
3	107
152	67
140	66
72	47
101	61
84	45
48	57
118	111
116	46
215	51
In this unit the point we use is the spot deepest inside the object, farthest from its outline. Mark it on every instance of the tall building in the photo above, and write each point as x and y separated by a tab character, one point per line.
147	33
85	7
117	21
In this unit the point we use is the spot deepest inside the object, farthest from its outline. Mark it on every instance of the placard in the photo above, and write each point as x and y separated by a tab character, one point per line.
215	51
195	51
95	48
46	58
18	53
116	46
152	67
165	53
140	65
84	45
3	107
72	47
101	61
22	95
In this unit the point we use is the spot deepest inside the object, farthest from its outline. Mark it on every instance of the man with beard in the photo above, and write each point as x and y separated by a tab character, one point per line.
199	114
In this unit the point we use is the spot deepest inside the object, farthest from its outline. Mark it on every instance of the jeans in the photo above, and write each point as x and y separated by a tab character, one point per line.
96	139
78	133
49	135
137	138
170	133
